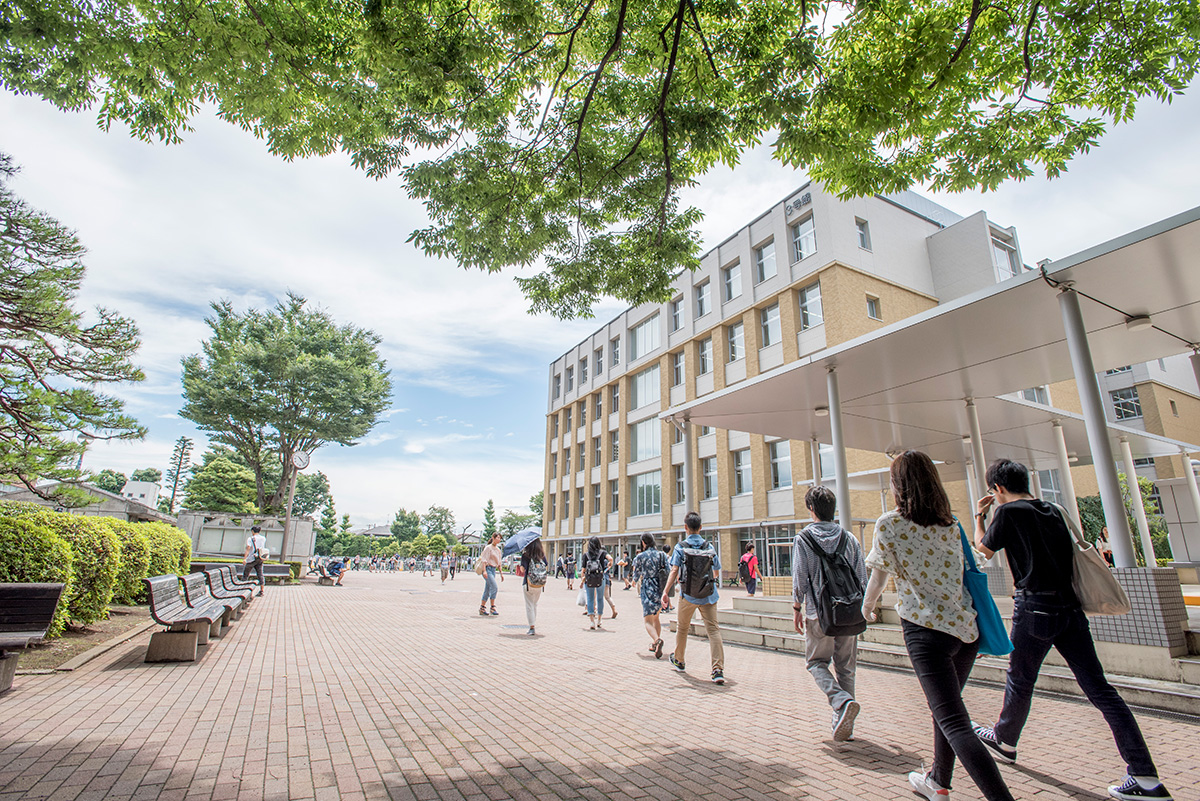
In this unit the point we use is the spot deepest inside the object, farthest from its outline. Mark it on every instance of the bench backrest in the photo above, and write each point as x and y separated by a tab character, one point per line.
28	607
163	592
195	587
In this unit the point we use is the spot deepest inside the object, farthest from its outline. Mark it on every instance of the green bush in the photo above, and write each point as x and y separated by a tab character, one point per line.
97	553
135	561
170	549
33	552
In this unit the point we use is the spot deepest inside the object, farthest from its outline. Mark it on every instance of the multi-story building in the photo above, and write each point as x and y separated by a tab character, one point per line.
811	272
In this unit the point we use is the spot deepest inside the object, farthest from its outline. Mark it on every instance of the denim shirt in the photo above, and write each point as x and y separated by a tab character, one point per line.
695	541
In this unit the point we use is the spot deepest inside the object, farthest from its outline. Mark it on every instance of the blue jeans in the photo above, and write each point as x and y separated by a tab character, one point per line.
1043	621
490	587
595	600
942	664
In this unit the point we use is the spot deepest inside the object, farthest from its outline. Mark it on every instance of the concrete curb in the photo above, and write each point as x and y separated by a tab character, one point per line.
92	653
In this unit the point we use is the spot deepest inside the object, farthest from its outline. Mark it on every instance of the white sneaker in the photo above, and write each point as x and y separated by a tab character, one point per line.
843	722
924	786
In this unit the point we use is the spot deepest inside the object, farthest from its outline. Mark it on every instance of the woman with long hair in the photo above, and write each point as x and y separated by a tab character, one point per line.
648	568
491	566
919	544
595	560
534	554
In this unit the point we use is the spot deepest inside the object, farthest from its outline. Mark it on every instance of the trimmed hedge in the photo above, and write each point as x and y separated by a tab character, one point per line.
97	553
135	561
32	552
170	549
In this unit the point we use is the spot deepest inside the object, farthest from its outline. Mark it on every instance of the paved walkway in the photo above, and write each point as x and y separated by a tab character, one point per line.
393	686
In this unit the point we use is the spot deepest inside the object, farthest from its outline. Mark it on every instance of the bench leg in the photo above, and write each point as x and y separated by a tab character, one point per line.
215	629
173	646
201	629
226	618
8	669
324	581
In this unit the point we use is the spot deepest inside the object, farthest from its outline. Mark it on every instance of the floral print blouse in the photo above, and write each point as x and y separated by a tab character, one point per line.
927	563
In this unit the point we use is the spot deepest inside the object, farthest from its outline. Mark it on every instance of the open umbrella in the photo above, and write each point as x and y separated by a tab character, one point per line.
517	542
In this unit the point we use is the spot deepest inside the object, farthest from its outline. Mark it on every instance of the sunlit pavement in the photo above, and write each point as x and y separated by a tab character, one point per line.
394	686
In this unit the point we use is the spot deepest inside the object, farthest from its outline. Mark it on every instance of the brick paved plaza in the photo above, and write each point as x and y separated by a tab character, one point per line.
393	686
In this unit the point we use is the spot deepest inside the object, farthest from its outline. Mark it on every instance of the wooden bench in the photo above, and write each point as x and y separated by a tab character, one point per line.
195	590
187	628
26	611
238	600
223	585
271	570
324	580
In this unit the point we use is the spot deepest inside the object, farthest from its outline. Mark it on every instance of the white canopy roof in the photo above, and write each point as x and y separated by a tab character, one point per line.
904	386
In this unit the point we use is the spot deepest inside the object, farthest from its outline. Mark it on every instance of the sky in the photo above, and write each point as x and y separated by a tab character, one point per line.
170	229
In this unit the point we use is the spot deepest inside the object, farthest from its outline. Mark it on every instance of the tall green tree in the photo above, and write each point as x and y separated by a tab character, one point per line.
271	383
564	132
535	504
312	493
110	480
439	520
220	485
344	528
177	470
489	520
406	525
512	522
329	518
419	547
152	474
438	544
53	360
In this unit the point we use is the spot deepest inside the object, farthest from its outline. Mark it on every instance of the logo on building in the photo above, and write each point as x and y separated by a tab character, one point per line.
798	203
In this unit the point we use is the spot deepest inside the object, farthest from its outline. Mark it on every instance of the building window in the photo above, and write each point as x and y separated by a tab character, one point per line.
1051	489
1004	257
706	362
677	436
582	413
1126	403
741	472
570	378
1036	395
614	347
557	385
566	506
825	457
677	313
647	493
810	306
646	440
705	430
553	498
553	426
874	310
1127	368
703	300
614	399
864	233
764	262
597	405
646	389
595	499
1174	408
769	318
680	491
566	461
804	239
597	452
781	464
1144	462
567	420
614	495
677	371
598	361
580	459
579	510
554	466
737	341
708	469
731	278
614	445
643	338
582	371
1154	499
1162	365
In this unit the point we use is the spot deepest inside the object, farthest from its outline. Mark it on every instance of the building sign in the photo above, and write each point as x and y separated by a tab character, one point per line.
798	203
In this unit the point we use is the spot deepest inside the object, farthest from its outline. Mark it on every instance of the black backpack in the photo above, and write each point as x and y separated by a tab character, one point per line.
663	572
744	571
593	569
838	591
696	573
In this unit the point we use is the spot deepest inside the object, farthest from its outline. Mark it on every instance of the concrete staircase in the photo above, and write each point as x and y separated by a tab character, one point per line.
1145	676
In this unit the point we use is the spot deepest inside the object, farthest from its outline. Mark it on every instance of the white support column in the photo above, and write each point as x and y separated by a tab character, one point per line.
977	447
689	489
1195	359
1097	429
1190	475
1138	503
839	449
1035	484
1065	481
814	450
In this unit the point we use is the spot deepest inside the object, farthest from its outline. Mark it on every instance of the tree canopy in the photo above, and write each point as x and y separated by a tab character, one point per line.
272	383
406	525
560	132
52	359
312	493
220	485
110	480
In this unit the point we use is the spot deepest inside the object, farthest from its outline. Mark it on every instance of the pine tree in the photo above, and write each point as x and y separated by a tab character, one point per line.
181	462
489	520
329	518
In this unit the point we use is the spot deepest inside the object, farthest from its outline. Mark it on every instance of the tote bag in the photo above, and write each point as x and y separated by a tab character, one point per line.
480	567
1097	588
993	637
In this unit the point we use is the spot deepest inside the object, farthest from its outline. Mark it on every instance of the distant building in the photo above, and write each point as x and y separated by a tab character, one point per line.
108	504
144	492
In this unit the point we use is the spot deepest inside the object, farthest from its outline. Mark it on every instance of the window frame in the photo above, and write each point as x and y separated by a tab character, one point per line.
765	325
864	233
800	235
705	358
778	481
735	334
760	262
808	296
731	281
703	291
743	474
1120	404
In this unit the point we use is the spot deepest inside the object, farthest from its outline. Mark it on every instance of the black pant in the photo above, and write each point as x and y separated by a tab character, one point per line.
942	664
256	566
1038	623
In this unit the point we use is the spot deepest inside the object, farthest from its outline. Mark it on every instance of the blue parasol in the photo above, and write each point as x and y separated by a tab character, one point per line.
517	542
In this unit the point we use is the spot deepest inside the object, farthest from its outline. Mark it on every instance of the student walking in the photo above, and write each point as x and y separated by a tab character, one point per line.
1034	536
569	564
256	554
595	573
608	582
533	571
748	569
491	566
445	565
650	572
822	648
694	566
919	544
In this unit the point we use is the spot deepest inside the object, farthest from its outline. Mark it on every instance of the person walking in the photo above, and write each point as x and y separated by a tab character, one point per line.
445	566
608	582
570	567
453	564
820	648
694	566
560	567
1046	613
491	566
919	544
748	569
595	572
650	571
256	554
533	571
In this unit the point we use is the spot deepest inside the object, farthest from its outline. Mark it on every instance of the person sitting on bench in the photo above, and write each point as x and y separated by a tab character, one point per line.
336	570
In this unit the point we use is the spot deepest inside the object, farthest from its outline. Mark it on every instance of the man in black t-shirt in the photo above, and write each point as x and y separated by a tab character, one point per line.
1035	539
